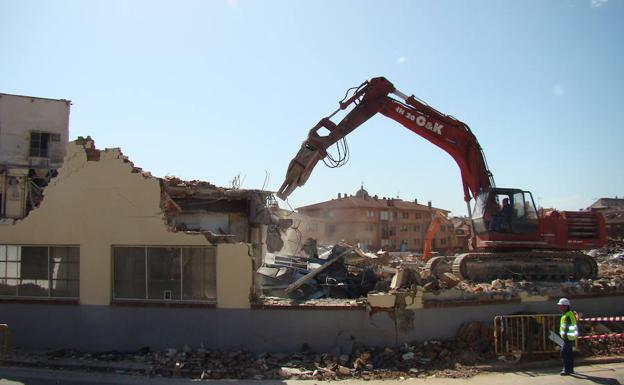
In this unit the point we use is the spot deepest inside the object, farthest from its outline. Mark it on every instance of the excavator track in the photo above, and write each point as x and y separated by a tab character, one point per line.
531	266
439	265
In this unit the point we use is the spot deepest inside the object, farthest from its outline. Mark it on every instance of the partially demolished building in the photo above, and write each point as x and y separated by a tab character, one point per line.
33	136
107	232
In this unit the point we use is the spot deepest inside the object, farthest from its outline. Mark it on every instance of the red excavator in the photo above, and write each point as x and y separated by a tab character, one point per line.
510	237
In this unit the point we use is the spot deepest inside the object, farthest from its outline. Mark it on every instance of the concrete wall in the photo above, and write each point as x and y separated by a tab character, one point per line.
102	328
19	115
102	203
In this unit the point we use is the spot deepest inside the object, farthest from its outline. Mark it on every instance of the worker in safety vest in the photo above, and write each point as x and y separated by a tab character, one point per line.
568	332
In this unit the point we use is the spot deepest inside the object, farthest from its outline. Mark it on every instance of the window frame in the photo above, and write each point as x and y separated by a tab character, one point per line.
146	299
50	278
41	151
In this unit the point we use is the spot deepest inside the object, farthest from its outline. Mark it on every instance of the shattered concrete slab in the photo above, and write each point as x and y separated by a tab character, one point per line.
408	279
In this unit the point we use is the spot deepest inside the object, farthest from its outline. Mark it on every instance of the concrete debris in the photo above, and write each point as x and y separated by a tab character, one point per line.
462	356
419	359
610	258
450	279
222	215
322	272
604	347
344	272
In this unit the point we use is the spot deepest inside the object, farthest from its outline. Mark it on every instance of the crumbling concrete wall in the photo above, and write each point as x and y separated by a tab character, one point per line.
97	201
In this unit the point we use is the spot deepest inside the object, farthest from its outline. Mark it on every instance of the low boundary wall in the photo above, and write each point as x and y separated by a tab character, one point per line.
128	328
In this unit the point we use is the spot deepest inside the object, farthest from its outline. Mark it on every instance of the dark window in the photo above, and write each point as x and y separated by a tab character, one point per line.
165	273
39	143
34	263
164	276
39	271
129	272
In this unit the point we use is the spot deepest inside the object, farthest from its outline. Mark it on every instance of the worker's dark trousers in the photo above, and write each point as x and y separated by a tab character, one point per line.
567	356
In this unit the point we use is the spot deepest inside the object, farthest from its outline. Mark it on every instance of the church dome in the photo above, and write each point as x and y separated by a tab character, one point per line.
361	193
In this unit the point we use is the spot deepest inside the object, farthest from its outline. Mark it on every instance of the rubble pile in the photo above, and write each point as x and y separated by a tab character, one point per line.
455	358
353	274
610	258
602	347
343	271
606	347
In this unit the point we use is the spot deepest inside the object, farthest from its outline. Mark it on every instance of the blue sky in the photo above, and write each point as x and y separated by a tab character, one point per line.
214	89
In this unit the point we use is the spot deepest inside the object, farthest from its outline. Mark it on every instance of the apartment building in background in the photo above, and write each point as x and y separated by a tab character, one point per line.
374	223
613	211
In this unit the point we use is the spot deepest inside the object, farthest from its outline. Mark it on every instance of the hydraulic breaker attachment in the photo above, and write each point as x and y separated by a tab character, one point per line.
299	170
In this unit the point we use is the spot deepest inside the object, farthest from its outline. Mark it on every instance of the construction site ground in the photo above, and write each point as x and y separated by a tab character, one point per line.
384	364
608	372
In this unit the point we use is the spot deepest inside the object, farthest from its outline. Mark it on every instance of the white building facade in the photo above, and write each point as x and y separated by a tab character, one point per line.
33	137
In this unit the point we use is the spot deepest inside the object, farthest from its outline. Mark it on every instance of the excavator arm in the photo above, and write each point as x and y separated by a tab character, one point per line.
372	97
561	235
432	231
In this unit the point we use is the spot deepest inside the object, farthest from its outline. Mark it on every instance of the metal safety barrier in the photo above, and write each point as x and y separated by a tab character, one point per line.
526	333
529	333
5	337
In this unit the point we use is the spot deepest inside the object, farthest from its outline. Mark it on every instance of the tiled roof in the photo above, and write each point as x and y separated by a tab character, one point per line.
355	202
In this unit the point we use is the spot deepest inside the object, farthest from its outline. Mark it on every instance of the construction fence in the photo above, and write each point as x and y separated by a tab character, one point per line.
530	333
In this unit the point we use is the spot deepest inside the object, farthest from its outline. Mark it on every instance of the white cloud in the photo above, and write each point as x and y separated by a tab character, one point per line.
558	90
401	60
598	3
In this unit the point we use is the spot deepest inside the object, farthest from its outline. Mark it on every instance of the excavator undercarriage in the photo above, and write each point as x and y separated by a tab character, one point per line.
520	265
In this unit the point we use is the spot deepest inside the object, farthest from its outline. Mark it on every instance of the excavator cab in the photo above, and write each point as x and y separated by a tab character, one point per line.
505	210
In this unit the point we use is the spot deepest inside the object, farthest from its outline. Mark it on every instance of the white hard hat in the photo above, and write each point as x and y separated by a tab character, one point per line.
564	301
